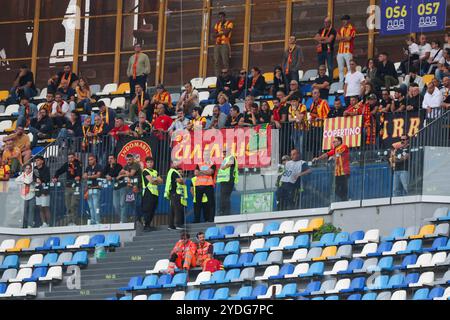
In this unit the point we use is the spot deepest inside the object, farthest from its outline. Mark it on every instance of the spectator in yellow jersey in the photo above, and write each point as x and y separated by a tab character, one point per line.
222	49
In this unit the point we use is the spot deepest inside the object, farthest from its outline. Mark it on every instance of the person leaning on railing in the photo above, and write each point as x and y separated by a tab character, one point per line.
129	195
234	118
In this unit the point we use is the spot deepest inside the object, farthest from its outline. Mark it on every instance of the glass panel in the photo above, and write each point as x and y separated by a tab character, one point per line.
235	62
58	41
57	9
180	66
97	70
356	9
143	27
268	21
184	30
179	5
266	55
97	35
16	40
17	10
307	18
237	15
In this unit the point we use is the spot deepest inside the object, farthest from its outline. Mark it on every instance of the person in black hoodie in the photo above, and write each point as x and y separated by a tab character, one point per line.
41	177
226	83
280	82
72	129
73	171
41	127
257	84
386	75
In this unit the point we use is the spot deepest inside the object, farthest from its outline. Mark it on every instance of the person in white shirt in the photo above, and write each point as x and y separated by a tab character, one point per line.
189	99
443	65
354	82
411	53
424	54
179	124
432	101
435	56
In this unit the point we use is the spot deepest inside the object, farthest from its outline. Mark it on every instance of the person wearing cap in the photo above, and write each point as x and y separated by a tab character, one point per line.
138	69
346	37
227	178
161	96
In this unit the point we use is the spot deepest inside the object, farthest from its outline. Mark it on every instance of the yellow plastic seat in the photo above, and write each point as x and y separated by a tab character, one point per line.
20	244
4	94
268	76
314	224
327	252
427	78
123	88
424	231
270	103
336	72
12	129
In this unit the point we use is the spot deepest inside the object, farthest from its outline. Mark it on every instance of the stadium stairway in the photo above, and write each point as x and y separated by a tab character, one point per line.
101	279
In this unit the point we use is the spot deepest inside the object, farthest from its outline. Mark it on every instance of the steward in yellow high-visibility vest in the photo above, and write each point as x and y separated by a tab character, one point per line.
150	193
227	178
176	192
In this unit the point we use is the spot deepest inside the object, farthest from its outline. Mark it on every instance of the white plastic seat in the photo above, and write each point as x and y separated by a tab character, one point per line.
42	95
422	260
7	244
118	103
399	295
40	105
270	271
202	277
438	257
208	110
298	254
340	265
108	89
300	224
178	295
340	285
370	236
203	95
396	247
368	248
255	244
28	289
107	101
140	297
285	227
80	241
160	265
284	242
301	268
300	74
5	124
12	290
32	260
53	273
22	274
271	291
425	278
197	83
445	296
254	228
12	108
209	82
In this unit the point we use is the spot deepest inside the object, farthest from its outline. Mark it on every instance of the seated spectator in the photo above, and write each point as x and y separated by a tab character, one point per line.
322	82
84	96
73	127
68	95
49	101
142	127
198	122
368	89
66	76
386	75
412	55
280	82
140	103
445	91
319	110
180	123
52	85
436	55
241	86
203	251
60	111
97	131
185	251
41	127
432	101
27	112
23	85
337	110
413	100
161	96
162	122
227	84
5	170
354	109
412	77
443	65
12	156
234	118
257	84
281	96
108	116
22	142
223	103
424	55
218	119
212	264
280	113
120	129
370	70
189	99
360	108
398	104
250	117
385	102
294	90
265	114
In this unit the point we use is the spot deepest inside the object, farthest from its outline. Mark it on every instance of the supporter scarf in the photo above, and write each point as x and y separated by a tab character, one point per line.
97	131
27	115
47	107
65	79
254	79
136	59
85	129
241	83
58	108
289	62
140	102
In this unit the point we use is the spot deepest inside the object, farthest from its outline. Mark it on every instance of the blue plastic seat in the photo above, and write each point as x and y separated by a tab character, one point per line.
111	240
9	262
155	296
80	258
126	298
421	294
355	296
230	247
357	284
49	258
436	292
395	234
331	100
413	246
231	275
179	280
271	226
409	259
332	297
311	287
308	103
301	241
94	241
37	273
384	263
206	294
445	247
245	291
326	240
341	237
212	232
369	296
396	280
411	278
225	231
353	265
271	242
437	243
342	98
66	241
192	295
382	247
49	244
245	257
257	258
218	248
149	281
133	282
318	299
162	281
316	269
257	291
217	277
284	270
288	290
356	235
221	294
379	283
3	287
230	260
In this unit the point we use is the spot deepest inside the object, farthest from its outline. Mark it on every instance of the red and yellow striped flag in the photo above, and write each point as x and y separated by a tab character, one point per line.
349	128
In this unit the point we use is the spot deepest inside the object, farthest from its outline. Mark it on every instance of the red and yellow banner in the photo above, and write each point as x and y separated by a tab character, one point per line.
349	128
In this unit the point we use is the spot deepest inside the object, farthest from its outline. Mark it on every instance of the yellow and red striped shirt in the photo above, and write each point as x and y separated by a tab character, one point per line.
347	46
342	160
223	39
319	111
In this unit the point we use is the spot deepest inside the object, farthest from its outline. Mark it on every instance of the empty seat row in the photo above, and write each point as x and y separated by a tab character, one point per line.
51	259
30	275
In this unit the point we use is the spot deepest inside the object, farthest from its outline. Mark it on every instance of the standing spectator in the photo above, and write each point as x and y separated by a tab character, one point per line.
129	195
84	96
91	175
370	70
287	192
140	102
226	84
162	96
386	75
227	178
108	116
27	112
414	99
354	80
73	171
138	69
322	82
325	45
179	124
411	53
341	155
424	55
265	114
22	142
360	108
223	103
337	110
189	99
142	127
52	83
432	101
25	181
41	127
399	161
110	173
41	176
234	118
205	186
222	50
64	77
292	59
218	119
257	84
12	156
176	192
298	116
23	85
280	82
150	193
120	129
346	38
280	113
